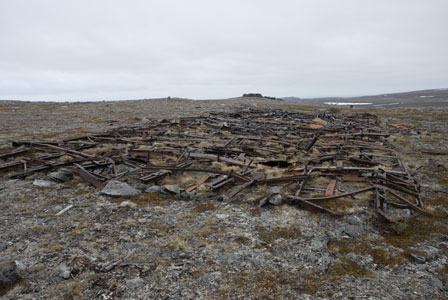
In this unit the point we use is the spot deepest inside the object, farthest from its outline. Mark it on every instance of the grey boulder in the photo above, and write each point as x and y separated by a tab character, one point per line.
154	189
119	189
172	188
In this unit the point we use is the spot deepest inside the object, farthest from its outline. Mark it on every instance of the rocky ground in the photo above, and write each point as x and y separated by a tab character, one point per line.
213	249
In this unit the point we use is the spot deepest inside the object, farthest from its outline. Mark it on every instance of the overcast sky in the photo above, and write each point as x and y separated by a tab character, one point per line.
204	49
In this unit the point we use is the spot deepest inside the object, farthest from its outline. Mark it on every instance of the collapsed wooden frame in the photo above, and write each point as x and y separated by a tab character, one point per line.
235	152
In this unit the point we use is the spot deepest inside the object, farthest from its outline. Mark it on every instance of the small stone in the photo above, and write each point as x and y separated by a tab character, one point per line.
8	275
263	202
437	283
418	258
172	188
42	183
351	230
32	246
5	258
154	189
319	244
122	168
119	189
21	267
276	199
184	196
354	220
3	246
443	245
275	190
406	213
131	223
62	175
266	215
324	261
222	216
64	271
128	203
135	283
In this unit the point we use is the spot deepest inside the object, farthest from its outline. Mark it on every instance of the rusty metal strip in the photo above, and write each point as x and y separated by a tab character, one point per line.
240	188
89	177
13	153
155	175
415	207
220	182
334	196
380	200
330	188
314	205
201	180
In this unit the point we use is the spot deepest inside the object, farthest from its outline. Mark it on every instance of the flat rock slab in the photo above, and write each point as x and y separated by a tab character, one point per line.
62	175
172	188
119	189
43	183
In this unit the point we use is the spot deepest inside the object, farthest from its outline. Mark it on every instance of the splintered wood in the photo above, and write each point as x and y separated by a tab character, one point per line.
314	160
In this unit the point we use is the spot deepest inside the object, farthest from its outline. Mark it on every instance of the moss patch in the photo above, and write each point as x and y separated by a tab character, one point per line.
346	267
271	235
154	199
204	207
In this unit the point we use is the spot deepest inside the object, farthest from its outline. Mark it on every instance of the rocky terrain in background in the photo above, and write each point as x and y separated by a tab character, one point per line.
213	249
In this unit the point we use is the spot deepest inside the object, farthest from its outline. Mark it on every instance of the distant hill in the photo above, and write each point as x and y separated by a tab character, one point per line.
433	97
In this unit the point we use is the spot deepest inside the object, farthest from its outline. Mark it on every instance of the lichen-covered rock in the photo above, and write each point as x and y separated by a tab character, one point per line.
8	276
62	175
43	183
154	189
276	199
172	188
119	189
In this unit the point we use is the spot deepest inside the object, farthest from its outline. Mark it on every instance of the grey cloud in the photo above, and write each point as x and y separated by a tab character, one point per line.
94	50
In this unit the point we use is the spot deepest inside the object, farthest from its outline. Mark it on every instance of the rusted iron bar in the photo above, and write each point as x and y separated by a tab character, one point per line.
330	188
240	188
334	196
155	175
13	153
202	180
89	177
312	142
314	205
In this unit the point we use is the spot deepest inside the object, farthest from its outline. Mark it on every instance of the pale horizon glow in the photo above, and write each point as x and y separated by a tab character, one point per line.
117	50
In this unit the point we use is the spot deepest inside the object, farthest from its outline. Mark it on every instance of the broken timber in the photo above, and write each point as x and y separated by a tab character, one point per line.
316	158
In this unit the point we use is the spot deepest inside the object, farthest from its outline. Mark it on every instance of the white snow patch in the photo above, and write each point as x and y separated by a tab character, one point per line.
387	104
347	103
